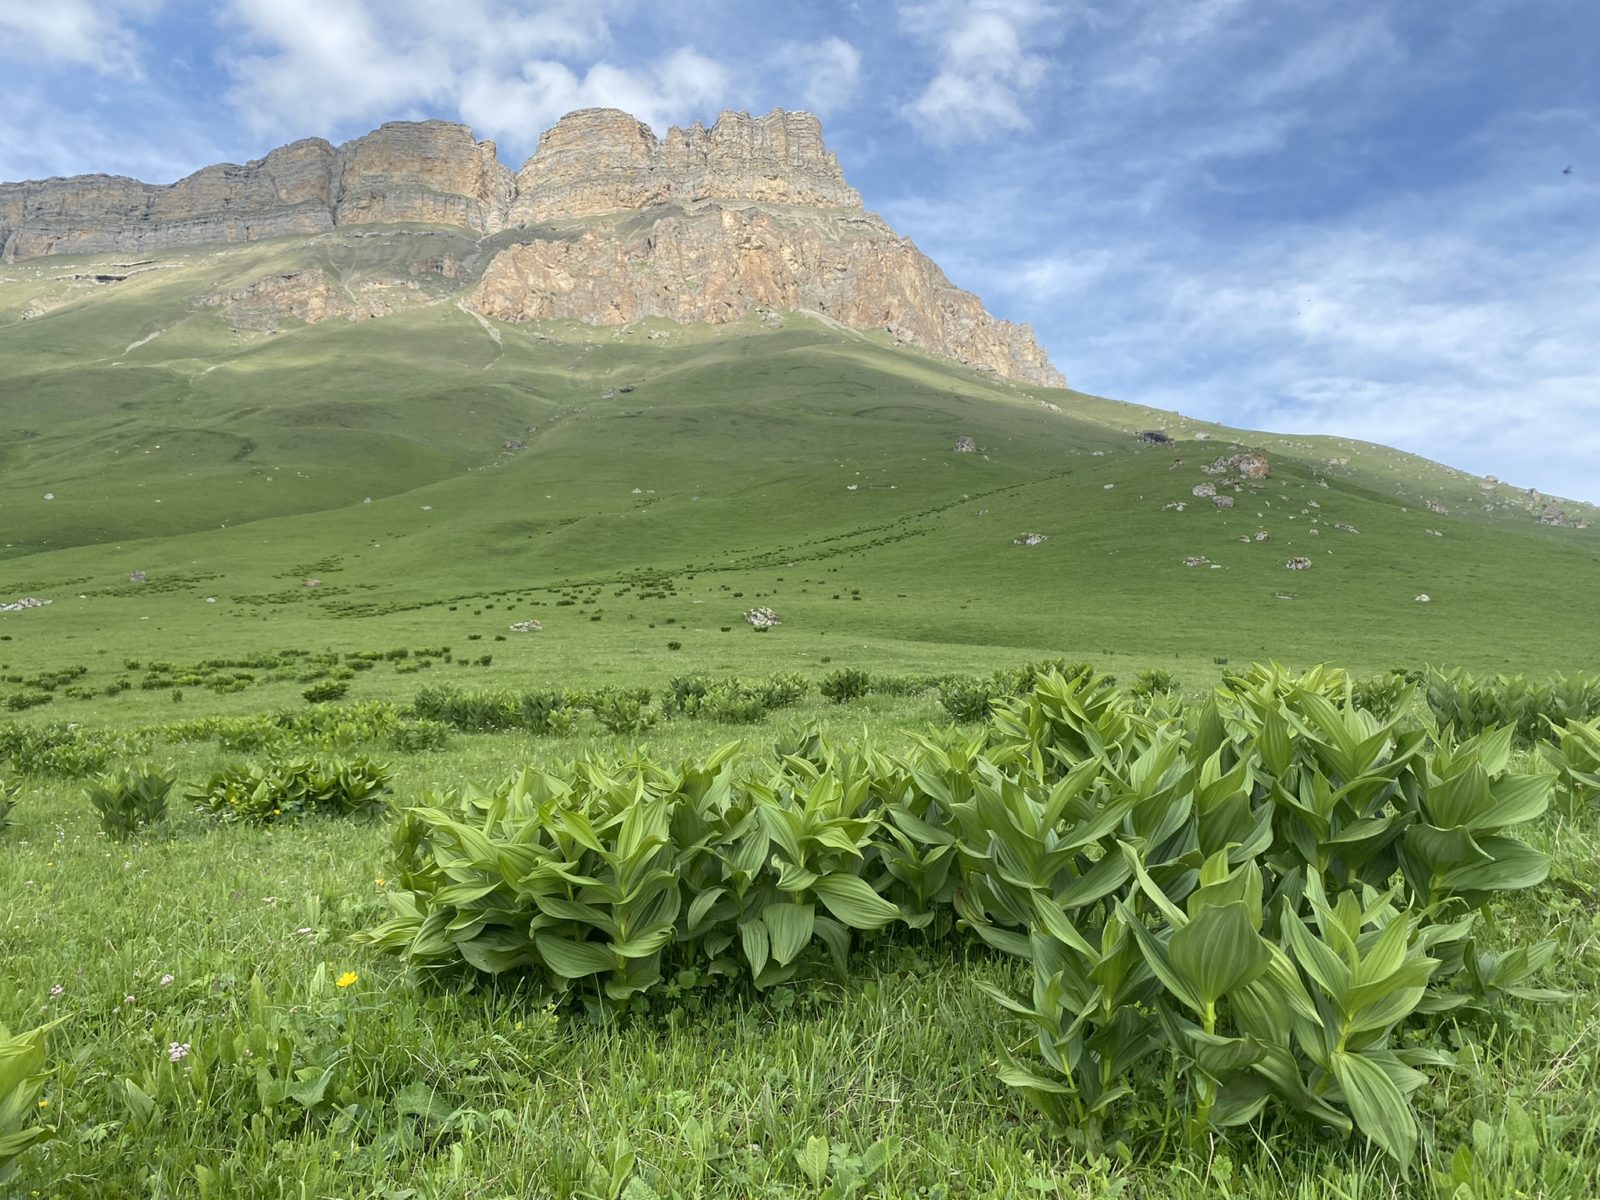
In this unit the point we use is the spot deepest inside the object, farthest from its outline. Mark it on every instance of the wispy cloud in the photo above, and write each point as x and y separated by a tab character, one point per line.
824	74
986	64
95	34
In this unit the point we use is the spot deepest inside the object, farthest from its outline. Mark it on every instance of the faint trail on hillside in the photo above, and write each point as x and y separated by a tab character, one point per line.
144	341
488	327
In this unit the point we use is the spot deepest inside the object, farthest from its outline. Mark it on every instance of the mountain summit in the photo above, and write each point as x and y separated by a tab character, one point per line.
604	224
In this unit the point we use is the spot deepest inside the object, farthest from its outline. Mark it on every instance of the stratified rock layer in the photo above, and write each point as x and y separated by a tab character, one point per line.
701	225
717	264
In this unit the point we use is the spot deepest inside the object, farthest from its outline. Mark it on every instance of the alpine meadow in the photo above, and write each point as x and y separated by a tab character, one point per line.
620	680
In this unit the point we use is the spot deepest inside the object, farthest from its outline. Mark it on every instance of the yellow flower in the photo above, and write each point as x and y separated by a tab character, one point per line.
44	1104
347	978
380	881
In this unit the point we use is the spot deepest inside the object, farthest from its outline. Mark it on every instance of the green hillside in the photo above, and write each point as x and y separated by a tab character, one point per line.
805	467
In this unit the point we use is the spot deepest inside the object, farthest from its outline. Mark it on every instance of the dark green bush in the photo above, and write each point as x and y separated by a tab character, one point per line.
321	693
844	684
130	799
284	790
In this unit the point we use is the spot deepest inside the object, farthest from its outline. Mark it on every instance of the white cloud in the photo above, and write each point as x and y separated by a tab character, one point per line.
88	33
986	66
312	66
673	88
824	74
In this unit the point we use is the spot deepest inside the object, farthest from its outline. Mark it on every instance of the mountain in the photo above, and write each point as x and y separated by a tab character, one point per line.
604	224
406	377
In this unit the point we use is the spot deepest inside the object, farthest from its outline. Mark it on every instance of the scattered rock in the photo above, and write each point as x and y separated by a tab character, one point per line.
1222	501
26	603
313	583
136	577
1109	486
1203	490
513	444
1154	437
965	445
526	627
1343	528
1175	506
1435	507
1424	598
1298	564
1263	536
1030	539
1197	560
762	618
1251	464
1433	533
49	495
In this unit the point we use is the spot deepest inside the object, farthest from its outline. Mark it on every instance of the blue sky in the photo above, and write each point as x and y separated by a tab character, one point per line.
1350	217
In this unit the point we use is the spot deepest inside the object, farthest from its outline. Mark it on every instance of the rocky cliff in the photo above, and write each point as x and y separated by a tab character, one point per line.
615	224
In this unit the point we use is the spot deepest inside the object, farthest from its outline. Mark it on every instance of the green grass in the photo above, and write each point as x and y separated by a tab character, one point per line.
231	467
484	1093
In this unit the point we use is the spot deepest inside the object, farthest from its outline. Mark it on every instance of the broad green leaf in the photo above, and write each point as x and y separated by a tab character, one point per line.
1219	950
573	960
852	900
1512	866
789	927
753	937
1379	1109
813	1160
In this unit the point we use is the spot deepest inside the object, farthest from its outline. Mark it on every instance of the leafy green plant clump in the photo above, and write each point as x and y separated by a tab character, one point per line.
1470	704
1249	903
289	789
327	690
1574	756
845	684
22	1080
130	799
10	792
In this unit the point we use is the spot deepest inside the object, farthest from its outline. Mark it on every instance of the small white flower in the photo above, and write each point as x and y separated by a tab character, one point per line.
177	1051
165	980
57	990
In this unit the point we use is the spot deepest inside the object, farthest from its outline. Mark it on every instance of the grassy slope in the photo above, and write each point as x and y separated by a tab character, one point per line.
742	443
243	463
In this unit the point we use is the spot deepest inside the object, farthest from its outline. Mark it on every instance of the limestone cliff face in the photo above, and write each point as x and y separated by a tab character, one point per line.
716	264
431	172
699	225
600	160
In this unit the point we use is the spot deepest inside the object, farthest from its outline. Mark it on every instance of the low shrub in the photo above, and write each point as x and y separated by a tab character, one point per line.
622	710
418	735
1155	682
967	699
1259	901
284	790
130	799
327	690
844	684
546	713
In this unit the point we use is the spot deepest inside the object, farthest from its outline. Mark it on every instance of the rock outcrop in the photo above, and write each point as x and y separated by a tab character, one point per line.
600	160
700	225
718	264
428	172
